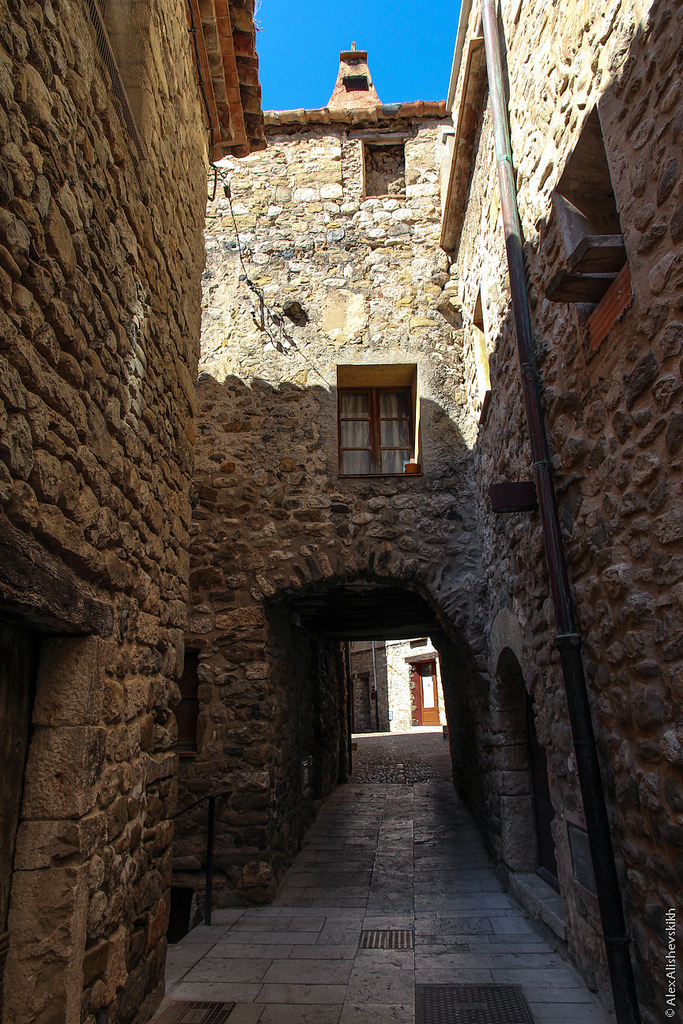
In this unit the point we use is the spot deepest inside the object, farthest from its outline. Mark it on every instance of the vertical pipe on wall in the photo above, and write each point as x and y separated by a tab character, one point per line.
374	688
208	891
567	639
349	710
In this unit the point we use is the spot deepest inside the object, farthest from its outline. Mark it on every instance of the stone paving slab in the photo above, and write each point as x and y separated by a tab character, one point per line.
390	855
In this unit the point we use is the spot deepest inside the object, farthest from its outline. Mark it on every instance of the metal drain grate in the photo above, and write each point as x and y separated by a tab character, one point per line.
471	1004
195	1013
387	938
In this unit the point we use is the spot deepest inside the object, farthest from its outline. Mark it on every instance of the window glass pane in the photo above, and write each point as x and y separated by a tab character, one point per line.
393	461
356	462
394	433
355	434
393	404
428	701
354	404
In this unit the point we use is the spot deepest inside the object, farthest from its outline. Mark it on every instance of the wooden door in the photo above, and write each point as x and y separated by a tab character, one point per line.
424	696
430	700
18	656
544	811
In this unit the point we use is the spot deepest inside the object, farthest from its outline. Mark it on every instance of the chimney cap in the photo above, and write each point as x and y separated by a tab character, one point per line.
353	89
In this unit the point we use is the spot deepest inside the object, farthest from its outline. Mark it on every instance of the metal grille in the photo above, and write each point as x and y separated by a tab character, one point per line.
195	1013
387	938
471	1004
119	90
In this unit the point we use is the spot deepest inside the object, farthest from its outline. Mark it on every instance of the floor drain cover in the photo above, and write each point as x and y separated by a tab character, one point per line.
387	938
195	1013
471	1004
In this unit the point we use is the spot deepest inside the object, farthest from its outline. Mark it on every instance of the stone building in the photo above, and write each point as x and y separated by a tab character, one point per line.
596	125
334	498
415	693
103	161
327	279
358	396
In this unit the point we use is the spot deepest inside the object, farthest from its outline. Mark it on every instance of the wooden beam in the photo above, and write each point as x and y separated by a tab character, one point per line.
598	254
566	287
41	590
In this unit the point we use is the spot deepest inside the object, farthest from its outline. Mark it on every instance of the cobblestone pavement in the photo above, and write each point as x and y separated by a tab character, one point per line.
401	758
396	854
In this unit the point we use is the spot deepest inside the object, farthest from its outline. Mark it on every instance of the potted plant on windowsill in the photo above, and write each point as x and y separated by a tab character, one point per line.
411	467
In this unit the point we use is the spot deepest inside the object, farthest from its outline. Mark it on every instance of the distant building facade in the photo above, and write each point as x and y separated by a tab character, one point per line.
333	481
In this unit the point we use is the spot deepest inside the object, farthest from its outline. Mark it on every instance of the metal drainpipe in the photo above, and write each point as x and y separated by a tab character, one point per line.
567	639
349	713
374	687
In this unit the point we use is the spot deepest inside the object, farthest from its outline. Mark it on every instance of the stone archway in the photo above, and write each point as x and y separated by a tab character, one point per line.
511	797
273	728
518	796
276	534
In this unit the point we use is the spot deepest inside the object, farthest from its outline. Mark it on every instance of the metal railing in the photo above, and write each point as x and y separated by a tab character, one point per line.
210	832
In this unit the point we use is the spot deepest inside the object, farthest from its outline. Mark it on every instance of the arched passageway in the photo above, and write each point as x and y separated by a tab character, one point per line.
275	702
390	905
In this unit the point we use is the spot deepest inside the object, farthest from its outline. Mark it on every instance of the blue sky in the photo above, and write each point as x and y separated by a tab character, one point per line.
410	47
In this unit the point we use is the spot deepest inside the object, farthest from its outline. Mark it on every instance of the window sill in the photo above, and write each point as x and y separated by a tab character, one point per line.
380	476
191	754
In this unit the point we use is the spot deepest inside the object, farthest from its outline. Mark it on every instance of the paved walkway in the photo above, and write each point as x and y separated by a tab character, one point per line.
393	849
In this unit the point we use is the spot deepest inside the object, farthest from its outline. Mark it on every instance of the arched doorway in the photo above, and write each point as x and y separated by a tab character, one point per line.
526	810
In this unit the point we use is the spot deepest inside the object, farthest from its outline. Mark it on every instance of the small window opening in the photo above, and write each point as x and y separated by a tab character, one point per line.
481	356
187	711
385	170
356	83
585	206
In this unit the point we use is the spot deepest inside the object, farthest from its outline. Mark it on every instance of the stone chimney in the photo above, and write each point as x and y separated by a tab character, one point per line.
354	88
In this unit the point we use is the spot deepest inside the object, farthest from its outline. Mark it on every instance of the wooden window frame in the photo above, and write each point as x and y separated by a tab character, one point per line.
374	418
188	706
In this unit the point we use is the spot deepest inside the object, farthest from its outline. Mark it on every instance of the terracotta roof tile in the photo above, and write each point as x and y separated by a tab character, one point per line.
229	71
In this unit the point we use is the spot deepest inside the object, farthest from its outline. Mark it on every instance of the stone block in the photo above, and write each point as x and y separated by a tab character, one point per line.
44	971
95	961
158	921
69	687
115	971
518	839
61	772
41	844
58	239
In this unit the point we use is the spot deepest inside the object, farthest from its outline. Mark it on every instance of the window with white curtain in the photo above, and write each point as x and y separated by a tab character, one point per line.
376	430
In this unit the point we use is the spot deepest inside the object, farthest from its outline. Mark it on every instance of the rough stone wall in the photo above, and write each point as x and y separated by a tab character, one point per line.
400	700
385	171
274	521
615	424
100	265
271	740
371	713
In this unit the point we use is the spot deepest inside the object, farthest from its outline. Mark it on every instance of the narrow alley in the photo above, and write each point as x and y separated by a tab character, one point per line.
392	850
